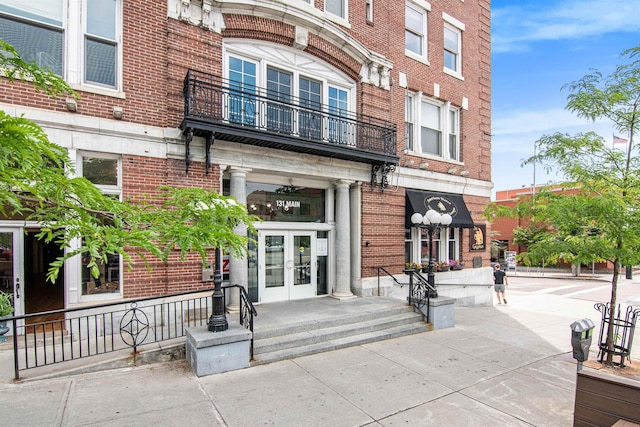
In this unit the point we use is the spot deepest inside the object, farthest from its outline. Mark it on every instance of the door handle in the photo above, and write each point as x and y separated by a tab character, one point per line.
17	288
289	263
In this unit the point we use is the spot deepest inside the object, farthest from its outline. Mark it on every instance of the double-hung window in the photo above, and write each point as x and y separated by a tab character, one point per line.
408	122
434	130
49	32
336	7
415	34
452	45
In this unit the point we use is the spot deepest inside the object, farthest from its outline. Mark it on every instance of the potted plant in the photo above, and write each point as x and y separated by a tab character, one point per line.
454	264
412	266
6	310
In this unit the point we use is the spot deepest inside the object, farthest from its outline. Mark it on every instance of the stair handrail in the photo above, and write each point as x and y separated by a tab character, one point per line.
247	311
420	290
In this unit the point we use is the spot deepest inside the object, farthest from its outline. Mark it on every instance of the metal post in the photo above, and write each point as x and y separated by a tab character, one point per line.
218	320
431	277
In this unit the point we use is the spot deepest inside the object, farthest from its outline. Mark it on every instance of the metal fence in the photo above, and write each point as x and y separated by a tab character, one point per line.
83	332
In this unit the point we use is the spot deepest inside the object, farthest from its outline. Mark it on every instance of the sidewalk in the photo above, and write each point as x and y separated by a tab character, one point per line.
503	365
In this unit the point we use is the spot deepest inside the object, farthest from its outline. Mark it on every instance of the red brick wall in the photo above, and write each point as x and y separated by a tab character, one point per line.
143	175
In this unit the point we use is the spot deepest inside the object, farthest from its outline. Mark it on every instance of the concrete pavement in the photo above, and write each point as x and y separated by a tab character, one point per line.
503	365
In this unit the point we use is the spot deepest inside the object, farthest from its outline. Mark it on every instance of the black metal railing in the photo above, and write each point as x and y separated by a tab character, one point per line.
623	330
211	98
420	291
90	331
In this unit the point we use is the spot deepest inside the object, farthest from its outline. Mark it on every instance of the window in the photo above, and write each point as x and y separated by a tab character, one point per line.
436	128
452	37
338	108
446	245
49	32
295	104
279	114
368	12
336	7
415	24
105	173
35	29
453	45
242	88
408	122
453	134
100	44
430	129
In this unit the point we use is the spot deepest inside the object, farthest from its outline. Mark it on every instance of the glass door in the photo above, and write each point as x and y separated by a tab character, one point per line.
11	265
287	265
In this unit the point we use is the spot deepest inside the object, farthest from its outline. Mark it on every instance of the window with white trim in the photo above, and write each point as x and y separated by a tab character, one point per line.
283	86
434	130
49	32
368	11
336	7
105	173
415	22
452	48
446	245
408	122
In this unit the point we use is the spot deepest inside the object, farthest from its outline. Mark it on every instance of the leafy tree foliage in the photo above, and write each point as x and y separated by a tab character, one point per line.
37	183
600	219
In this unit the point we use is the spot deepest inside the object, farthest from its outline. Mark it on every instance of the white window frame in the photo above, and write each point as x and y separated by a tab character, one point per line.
344	12
454	25
368	10
409	119
441	239
445	128
114	190
73	30
422	8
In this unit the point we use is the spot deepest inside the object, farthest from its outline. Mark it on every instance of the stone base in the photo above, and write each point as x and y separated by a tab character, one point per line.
441	312
216	352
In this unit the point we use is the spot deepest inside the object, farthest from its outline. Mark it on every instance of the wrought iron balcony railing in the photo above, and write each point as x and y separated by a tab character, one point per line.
248	114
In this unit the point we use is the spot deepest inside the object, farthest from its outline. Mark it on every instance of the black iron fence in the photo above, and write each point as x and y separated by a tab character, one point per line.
214	99
82	332
420	291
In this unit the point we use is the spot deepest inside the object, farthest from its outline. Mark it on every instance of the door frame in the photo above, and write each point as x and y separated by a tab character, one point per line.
18	266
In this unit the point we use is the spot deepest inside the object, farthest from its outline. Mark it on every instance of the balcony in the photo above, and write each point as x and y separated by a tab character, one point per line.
217	109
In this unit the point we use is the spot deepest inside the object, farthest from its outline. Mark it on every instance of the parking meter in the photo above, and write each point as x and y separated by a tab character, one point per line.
581	334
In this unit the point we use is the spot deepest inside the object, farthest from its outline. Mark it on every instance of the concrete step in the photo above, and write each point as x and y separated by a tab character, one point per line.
305	338
316	334
349	341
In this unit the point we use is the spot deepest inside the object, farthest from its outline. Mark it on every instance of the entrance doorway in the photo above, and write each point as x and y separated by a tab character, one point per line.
288	265
24	262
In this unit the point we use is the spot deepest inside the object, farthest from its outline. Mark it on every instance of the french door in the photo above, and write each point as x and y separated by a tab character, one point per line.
11	265
287	267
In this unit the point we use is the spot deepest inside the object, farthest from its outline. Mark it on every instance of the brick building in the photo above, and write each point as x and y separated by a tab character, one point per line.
333	121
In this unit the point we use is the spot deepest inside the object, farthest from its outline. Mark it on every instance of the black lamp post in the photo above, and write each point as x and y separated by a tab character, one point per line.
433	222
218	320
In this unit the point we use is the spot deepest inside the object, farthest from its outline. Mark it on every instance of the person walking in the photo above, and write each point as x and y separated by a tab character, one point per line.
499	282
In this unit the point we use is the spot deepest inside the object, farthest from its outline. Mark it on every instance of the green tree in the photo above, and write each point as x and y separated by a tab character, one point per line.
600	219
37	183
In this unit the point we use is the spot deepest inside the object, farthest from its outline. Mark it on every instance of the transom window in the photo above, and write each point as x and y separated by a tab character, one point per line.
49	32
435	123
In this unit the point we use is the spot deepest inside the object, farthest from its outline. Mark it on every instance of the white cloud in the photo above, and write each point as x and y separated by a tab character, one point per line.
514	27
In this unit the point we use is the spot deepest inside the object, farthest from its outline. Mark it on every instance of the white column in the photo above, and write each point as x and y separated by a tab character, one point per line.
331	220
356	241
342	287
238	274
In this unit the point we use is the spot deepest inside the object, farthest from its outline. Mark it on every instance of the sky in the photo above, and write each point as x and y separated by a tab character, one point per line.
538	46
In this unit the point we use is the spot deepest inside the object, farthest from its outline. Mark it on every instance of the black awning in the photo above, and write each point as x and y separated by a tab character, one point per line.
453	204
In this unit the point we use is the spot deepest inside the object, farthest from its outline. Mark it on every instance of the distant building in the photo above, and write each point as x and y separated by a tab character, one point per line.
332	121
